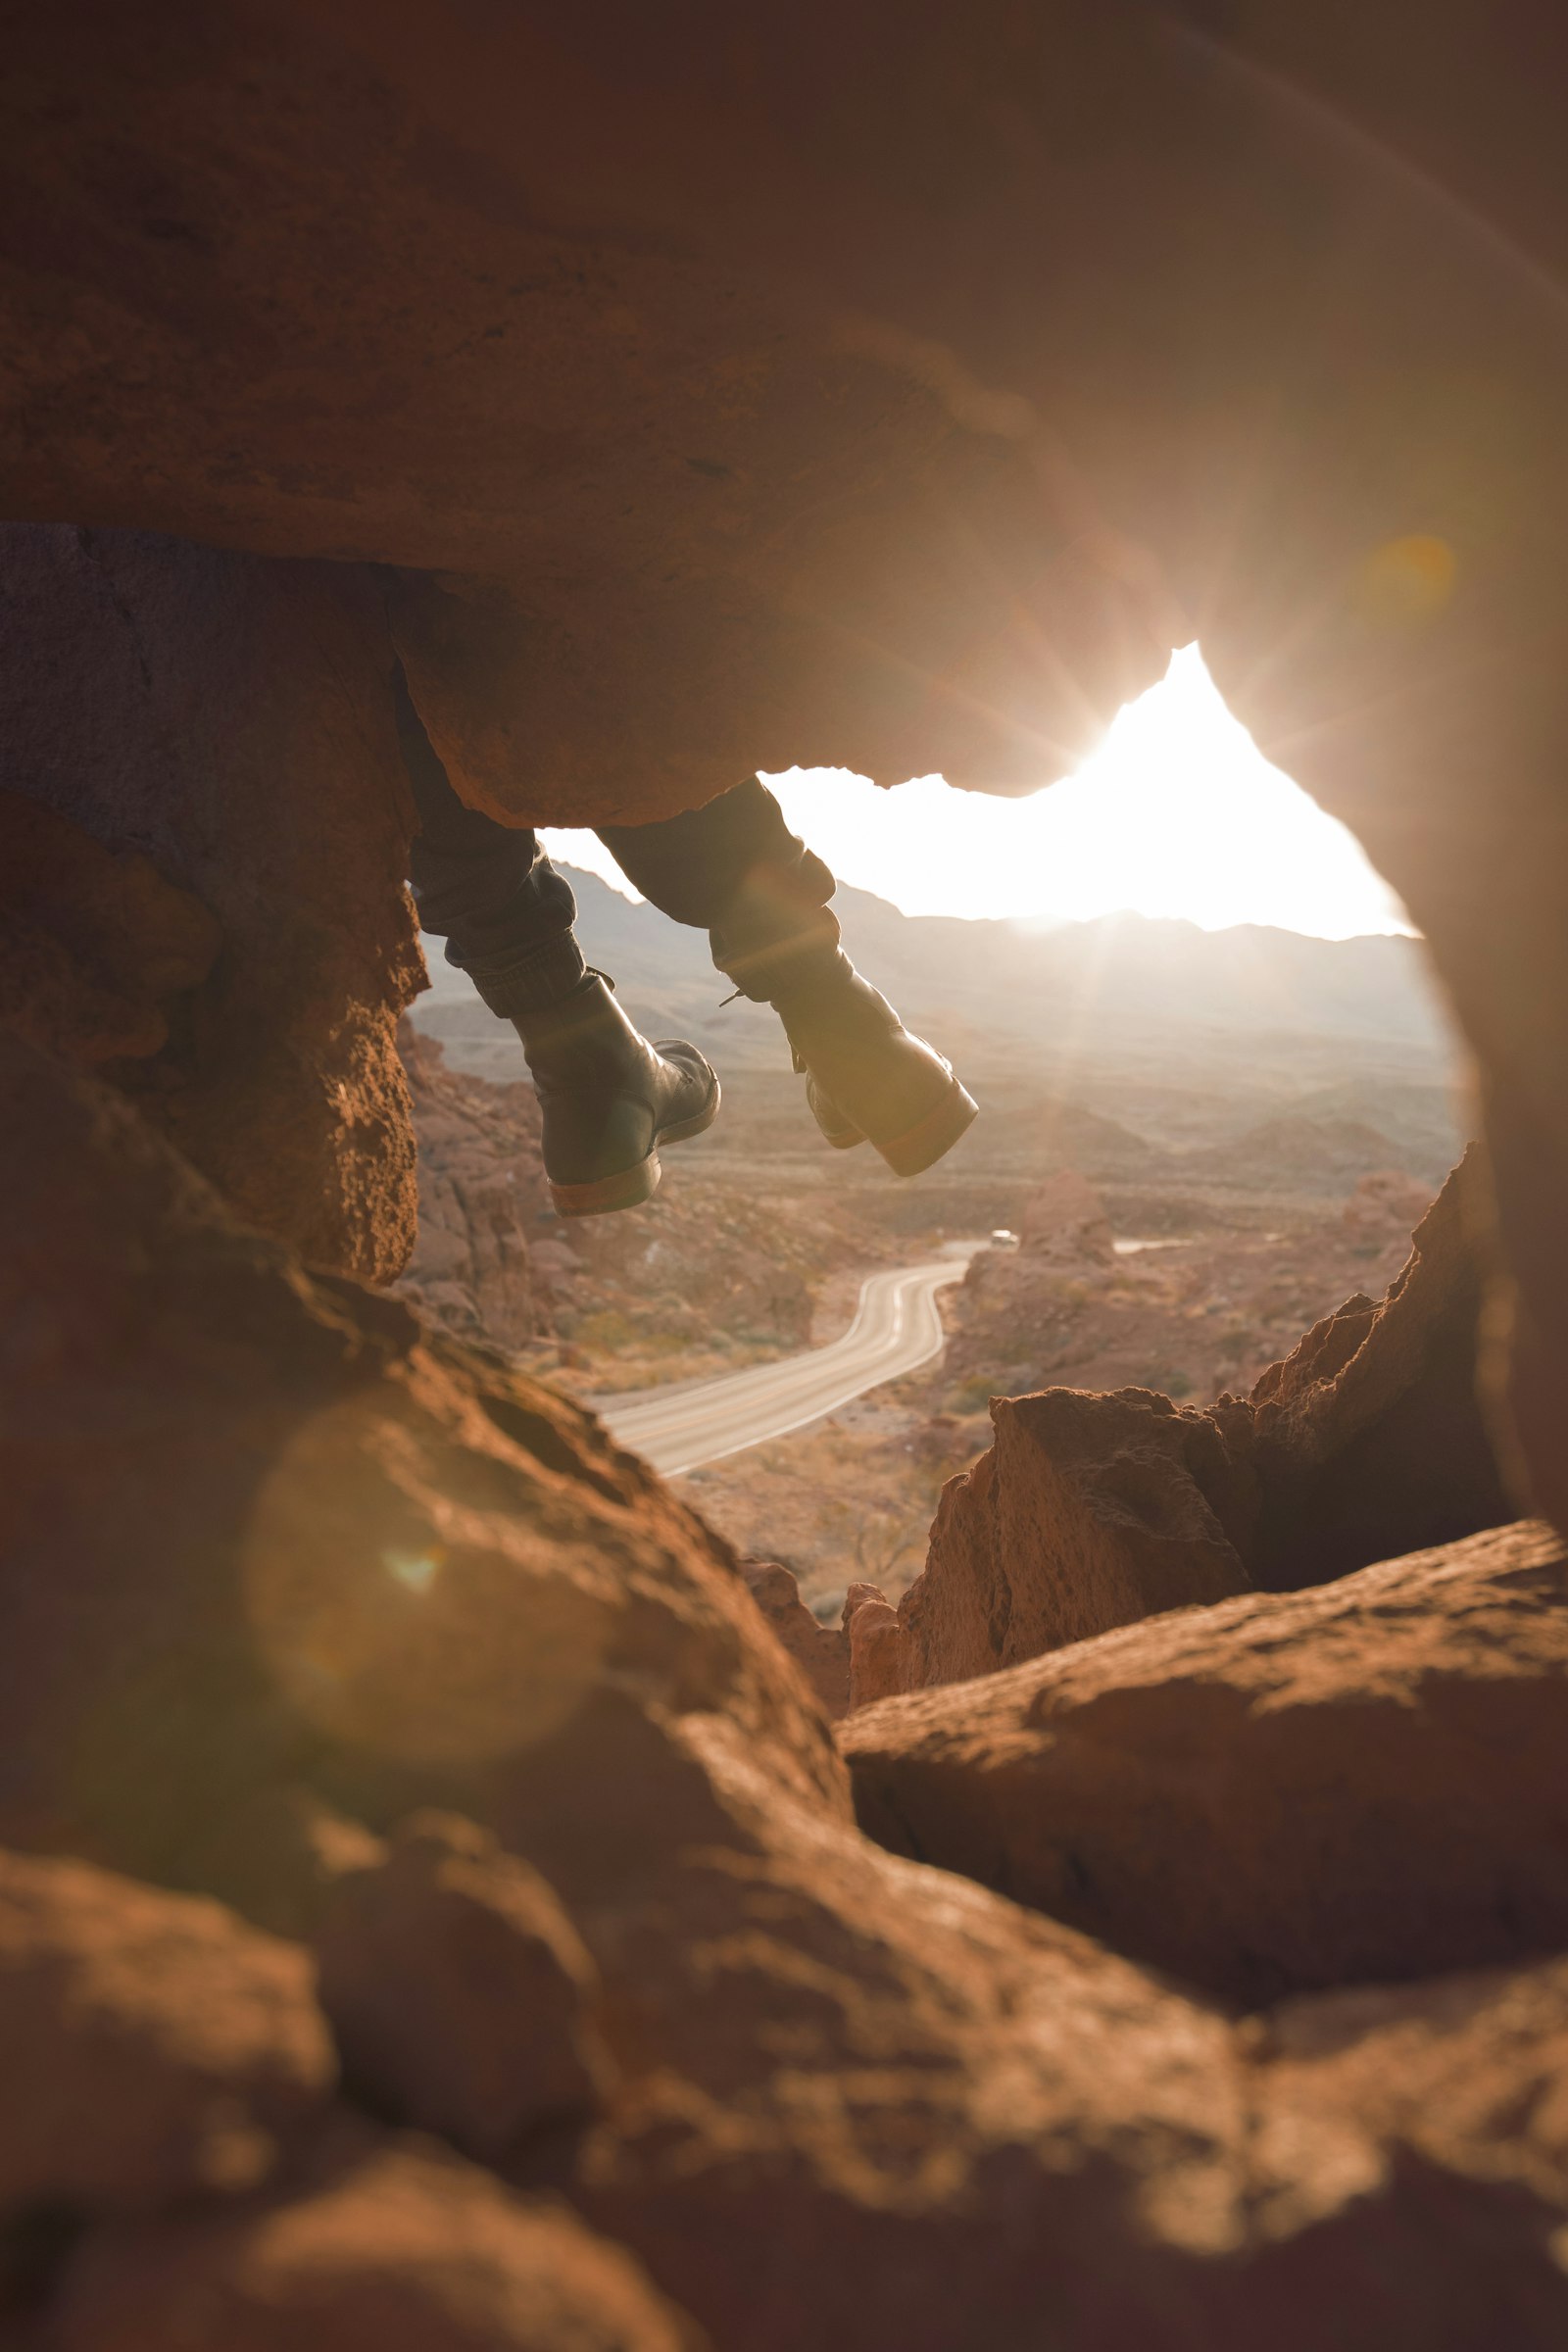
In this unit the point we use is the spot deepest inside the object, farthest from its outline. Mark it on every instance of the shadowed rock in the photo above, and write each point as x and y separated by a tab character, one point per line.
460	1993
1350	1783
216	732
152	2046
397	2249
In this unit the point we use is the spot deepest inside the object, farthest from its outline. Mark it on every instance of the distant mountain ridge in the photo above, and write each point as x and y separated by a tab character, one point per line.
1126	975
1125	1045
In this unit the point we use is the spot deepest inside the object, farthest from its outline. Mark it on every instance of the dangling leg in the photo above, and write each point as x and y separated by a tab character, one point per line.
735	869
610	1100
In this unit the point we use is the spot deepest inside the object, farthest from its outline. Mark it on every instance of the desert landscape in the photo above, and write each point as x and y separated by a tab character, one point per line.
1195	1145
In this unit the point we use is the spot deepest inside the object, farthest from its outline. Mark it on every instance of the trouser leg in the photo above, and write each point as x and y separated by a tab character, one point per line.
735	870
506	914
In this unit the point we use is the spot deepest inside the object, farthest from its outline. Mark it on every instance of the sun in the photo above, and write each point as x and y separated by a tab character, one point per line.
1177	815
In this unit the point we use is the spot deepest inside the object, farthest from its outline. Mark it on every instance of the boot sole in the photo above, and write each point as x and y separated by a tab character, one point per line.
920	1147
630	1187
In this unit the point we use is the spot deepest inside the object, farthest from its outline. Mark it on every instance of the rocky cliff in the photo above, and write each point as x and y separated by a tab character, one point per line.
433	1911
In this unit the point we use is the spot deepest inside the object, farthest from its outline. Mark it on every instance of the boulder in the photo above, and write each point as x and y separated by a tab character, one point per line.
152	2046
1345	1784
399	2248
461	1995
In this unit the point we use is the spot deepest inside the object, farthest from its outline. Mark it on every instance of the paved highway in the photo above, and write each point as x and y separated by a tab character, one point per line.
896	1327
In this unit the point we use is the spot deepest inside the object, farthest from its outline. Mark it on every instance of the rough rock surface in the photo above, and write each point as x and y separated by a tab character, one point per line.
222	727
96	949
861	2102
152	2046
314	1548
721	374
481	1189
1085	1512
1345	1784
822	1651
877	1646
460	1993
396	2249
1090	1511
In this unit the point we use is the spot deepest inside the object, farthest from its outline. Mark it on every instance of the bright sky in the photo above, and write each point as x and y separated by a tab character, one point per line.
1177	813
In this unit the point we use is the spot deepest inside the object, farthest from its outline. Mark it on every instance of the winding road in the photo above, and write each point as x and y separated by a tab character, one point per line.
896	1327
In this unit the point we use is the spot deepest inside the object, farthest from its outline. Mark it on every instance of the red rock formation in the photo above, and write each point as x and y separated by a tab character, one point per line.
822	1651
460	1993
876	1650
96	949
389	2248
481	1189
273	1538
152	2046
1090	1511
228	721
1352	1783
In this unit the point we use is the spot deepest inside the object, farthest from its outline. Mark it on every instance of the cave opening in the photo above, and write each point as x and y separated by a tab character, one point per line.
1219	1092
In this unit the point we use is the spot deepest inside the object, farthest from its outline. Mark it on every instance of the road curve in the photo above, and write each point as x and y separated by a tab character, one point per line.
896	1327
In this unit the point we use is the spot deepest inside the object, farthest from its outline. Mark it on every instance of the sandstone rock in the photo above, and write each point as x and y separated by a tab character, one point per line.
1466	2075
1369	1438
1351	1783
1090	1511
227	721
404	2249
481	1185
271	1537
460	1992
876	1645
298	1546
151	2046
1086	1512
94	944
822	1651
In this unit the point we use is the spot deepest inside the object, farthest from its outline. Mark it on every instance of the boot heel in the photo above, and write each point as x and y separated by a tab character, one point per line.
629	1189
920	1147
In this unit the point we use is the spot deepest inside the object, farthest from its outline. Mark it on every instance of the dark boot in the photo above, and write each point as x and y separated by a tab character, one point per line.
868	1080
610	1100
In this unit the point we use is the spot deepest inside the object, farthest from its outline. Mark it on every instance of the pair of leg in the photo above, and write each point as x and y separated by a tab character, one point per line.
732	868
